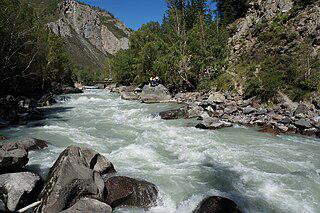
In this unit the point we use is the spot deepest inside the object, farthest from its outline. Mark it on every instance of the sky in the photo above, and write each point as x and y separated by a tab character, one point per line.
133	13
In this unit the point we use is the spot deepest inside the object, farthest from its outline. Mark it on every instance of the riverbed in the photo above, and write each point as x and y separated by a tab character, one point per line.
260	172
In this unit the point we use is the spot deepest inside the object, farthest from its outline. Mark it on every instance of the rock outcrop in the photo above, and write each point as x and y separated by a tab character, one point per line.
125	191
90	33
158	93
76	173
28	144
12	159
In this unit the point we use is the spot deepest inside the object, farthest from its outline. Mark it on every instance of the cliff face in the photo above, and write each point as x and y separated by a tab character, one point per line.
91	34
293	23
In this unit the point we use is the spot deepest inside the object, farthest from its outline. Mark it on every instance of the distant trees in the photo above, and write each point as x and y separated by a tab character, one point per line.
186	49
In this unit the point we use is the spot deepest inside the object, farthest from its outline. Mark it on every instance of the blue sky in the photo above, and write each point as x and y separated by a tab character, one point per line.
133	13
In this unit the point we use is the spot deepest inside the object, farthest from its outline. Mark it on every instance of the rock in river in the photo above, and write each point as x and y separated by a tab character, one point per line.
125	191
88	205
12	159
174	114
75	174
19	189
217	204
27	144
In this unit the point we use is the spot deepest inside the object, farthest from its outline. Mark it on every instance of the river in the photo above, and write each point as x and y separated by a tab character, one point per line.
260	172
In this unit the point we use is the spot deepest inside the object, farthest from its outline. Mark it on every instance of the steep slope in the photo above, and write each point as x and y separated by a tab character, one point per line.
91	34
273	33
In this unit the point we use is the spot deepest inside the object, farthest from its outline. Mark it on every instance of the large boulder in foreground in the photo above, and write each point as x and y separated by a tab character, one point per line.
213	124
88	205
28	144
125	191
217	204
19	189
12	159
155	94
75	174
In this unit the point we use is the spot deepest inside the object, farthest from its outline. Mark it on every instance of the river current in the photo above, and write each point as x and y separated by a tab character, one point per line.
260	172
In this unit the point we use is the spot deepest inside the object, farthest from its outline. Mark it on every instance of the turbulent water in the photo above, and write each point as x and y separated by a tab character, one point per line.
261	172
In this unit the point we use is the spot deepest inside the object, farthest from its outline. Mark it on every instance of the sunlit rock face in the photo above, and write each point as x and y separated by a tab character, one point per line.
94	31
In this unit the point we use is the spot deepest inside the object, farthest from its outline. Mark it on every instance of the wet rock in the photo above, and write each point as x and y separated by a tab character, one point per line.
19	189
28	144
302	124
3	138
12	159
301	109
217	204
156	94
47	100
174	114
88	205
129	96
76	173
212	123
248	110
217	97
125	191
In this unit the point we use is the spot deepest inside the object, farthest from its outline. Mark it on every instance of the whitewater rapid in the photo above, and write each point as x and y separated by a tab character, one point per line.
260	172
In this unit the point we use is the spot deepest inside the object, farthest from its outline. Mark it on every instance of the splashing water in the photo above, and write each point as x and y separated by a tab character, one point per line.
260	172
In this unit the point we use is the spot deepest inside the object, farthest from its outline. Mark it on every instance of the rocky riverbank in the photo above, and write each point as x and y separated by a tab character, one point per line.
20	110
81	180
216	110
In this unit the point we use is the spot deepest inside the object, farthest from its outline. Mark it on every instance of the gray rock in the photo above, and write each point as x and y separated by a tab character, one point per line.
217	204
230	110
195	112
129	96
12	160
212	123
248	110
301	109
28	144
261	112
285	120
156	94
88	205
20	189
2	206
76	173
217	97
125	191
174	114
302	124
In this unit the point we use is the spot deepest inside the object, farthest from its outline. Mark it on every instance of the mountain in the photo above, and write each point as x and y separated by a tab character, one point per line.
90	33
281	37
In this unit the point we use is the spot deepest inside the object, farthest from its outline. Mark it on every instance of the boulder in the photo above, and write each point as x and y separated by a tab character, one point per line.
230	110
217	204
212	123
125	191
301	109
2	206
19	189
28	144
174	114
248	110
12	159
3	138
302	124
88	205
217	97
261	112
129	96
76	173
155	94
195	111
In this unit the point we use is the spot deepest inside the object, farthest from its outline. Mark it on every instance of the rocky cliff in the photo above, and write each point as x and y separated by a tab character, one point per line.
274	28
91	34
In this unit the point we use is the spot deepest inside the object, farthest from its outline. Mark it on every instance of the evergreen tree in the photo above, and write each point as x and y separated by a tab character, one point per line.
230	10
